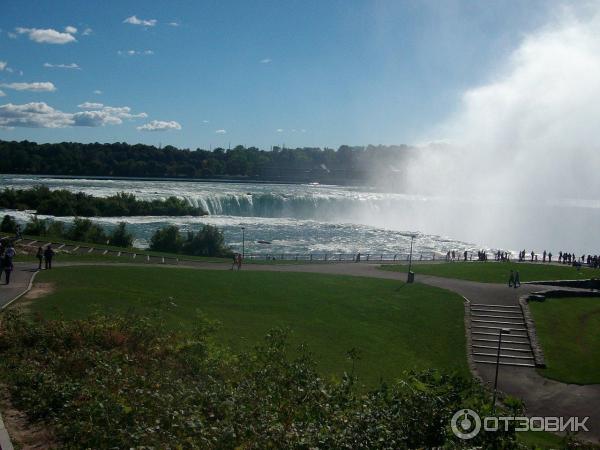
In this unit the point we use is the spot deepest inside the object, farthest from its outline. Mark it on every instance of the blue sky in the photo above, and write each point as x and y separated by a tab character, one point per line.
201	74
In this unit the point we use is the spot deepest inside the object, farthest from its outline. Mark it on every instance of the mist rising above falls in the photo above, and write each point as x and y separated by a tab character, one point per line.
522	160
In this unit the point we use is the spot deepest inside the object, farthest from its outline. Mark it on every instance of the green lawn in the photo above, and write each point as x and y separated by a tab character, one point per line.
395	327
569	332
493	272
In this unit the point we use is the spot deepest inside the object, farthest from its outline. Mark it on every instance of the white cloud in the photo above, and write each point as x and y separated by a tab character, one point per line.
174	24
3	65
33	115
266	61
280	130
46	36
98	92
87	32
12	35
135	52
221	131
42	86
2	94
160	125
41	115
63	66
71	29
205	121
133	20
90	105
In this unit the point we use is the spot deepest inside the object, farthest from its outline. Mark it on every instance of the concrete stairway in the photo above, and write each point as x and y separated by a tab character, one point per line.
486	323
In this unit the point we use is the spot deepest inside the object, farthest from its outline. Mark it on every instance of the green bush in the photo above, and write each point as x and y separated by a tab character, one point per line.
83	230
120	237
209	241
8	225
87	231
127	382
166	239
36	227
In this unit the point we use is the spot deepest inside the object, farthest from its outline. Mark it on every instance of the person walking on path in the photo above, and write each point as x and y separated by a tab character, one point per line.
48	255
517	280
7	263
40	257
511	279
234	262
239	261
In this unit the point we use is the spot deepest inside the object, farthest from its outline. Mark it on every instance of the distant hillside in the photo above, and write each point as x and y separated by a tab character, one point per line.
346	165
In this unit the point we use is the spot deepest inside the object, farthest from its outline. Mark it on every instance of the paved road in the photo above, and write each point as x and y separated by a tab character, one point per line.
542	397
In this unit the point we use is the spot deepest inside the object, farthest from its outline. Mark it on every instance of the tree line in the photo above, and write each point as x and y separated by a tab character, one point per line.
119	159
207	241
63	203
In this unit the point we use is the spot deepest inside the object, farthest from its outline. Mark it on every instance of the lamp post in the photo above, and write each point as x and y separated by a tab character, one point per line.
243	243
502	331
410	277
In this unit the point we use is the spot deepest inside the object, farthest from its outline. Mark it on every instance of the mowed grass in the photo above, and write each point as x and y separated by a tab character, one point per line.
498	272
394	326
569	332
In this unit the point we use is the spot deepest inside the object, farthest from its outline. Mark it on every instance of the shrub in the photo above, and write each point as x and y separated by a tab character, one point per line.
120	237
8	225
87	231
166	239
209	241
36	227
127	382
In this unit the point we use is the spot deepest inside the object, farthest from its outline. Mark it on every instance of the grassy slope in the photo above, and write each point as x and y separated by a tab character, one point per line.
569	332
492	272
395	326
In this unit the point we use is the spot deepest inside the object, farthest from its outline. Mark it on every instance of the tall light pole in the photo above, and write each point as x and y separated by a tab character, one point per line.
502	331
243	243
410	278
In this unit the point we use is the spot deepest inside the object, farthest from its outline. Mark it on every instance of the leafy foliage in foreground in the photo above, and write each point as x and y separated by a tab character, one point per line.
62	203
126	382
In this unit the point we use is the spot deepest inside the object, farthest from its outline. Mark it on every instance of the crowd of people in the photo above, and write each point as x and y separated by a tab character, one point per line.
592	261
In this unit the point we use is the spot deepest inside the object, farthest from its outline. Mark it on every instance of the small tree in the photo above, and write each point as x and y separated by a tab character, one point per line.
166	239
36	227
209	241
86	230
121	237
8	225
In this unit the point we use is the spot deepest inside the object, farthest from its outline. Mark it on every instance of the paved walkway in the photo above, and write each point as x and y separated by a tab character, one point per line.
542	397
19	282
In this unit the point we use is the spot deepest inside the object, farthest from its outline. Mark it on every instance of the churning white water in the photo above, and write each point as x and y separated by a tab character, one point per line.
293	218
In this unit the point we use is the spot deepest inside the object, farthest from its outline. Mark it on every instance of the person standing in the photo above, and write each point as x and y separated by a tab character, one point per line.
40	256
48	255
511	279
517	280
7	263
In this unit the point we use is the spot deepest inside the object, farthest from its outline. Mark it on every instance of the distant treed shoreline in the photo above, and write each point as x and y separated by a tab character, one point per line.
344	165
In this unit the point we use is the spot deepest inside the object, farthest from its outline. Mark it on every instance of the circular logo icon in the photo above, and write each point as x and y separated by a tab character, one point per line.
466	424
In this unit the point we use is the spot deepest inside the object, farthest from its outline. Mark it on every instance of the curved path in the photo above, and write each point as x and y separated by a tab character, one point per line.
542	397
